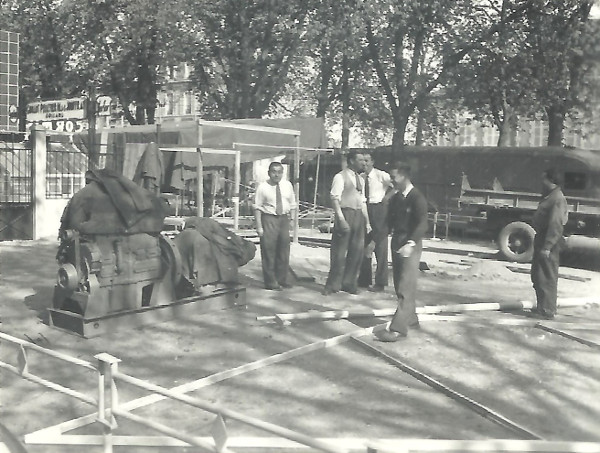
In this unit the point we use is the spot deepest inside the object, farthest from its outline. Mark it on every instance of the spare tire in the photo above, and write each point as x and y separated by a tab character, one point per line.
515	241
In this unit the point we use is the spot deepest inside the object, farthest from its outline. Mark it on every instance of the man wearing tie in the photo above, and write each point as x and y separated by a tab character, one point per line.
274	205
407	221
377	182
351	222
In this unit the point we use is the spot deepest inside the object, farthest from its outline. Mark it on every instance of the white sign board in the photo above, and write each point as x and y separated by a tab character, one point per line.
60	109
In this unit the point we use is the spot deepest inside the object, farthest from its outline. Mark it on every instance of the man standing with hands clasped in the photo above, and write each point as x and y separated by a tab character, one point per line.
376	182
274	205
407	221
351	222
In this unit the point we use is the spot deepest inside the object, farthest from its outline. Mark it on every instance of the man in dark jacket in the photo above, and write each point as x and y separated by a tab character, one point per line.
549	221
407	221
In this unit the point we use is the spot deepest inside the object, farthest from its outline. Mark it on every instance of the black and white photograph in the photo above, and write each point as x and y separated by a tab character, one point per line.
276	226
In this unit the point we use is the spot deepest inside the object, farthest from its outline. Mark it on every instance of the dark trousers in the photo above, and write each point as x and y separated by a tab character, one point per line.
346	253
275	249
406	272
544	276
379	235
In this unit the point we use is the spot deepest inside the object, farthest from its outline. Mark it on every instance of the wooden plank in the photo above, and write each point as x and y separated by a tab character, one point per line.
429	309
487	445
482	410
391	445
570	336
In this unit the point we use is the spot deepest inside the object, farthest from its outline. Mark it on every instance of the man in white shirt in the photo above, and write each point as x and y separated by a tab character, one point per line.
274	205
351	222
377	183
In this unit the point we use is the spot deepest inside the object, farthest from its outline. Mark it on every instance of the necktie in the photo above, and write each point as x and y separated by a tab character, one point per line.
367	187
278	201
358	185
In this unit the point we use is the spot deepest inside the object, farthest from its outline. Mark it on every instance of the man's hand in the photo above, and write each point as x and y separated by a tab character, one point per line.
260	231
406	250
545	253
369	229
343	225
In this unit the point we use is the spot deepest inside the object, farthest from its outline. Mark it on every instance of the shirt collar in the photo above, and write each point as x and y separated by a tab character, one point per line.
407	190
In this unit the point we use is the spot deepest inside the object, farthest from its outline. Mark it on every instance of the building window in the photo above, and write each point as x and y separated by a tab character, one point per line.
188	102
575	181
170	103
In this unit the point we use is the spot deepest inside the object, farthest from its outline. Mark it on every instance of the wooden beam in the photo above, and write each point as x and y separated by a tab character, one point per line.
391	445
249	127
570	336
428	309
482	410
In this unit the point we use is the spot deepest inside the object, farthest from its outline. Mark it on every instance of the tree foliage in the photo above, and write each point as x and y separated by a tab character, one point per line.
123	47
243	51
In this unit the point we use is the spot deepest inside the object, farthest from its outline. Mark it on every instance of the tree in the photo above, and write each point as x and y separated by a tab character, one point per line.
123	47
561	36
415	45
42	57
243	52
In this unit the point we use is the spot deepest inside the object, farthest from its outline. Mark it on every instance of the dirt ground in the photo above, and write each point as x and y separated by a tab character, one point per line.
546	383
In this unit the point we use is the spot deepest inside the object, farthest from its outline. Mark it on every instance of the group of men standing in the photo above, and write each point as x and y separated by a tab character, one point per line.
369	206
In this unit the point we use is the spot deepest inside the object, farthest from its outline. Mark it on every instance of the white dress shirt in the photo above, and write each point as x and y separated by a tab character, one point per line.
265	199
337	185
406	191
379	181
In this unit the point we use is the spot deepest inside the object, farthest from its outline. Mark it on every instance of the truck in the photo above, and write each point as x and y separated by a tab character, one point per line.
496	190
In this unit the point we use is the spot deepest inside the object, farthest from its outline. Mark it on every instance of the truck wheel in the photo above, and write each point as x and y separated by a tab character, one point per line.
515	241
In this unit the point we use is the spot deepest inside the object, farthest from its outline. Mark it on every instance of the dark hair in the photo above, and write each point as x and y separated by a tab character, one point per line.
352	155
272	165
401	167
553	176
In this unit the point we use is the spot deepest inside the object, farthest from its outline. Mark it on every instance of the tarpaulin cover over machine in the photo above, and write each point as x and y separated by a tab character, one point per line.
117	269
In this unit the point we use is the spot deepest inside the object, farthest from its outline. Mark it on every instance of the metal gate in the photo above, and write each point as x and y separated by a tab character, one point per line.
16	187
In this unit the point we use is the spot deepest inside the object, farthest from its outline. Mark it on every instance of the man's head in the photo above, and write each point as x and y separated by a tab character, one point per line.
400	174
275	172
550	180
356	161
369	162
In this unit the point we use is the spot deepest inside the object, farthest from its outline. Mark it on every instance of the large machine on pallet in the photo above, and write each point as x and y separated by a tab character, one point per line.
116	269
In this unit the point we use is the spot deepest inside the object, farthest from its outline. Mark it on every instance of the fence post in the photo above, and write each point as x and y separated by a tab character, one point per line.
39	157
107	367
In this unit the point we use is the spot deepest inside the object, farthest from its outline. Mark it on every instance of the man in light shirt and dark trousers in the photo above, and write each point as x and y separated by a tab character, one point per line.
376	182
274	205
351	223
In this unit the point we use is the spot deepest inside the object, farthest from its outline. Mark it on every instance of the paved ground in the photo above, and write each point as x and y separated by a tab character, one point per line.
544	382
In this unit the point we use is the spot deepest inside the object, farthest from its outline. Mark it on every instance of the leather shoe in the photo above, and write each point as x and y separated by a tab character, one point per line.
389	336
376	289
328	291
353	291
273	288
538	314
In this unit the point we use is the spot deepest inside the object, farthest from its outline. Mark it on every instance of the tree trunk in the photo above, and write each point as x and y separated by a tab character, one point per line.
420	127
345	104
556	124
508	130
140	114
400	123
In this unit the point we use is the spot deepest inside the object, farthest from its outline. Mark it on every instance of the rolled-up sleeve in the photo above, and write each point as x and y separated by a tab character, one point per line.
337	187
291	196
259	198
